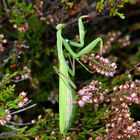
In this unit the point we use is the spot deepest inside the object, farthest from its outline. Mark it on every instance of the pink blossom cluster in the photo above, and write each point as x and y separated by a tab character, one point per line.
24	76
27	74
120	125
99	64
2	42
125	41
5	117
111	38
23	99
22	28
88	94
99	138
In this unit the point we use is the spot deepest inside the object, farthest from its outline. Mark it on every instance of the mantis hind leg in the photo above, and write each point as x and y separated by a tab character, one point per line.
64	78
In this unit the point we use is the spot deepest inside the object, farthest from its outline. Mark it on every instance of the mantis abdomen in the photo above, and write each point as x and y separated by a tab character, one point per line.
65	100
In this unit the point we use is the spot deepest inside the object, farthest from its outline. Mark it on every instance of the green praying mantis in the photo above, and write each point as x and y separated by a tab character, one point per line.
67	88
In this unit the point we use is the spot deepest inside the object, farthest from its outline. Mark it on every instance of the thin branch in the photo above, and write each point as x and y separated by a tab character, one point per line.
12	127
5	61
13	133
16	81
135	66
5	7
7	135
23	109
20	124
28	102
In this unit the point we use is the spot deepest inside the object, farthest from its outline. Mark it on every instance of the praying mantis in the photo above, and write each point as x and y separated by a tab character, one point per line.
67	88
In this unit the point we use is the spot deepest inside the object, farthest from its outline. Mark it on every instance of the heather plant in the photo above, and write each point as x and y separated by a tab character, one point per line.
108	86
112	6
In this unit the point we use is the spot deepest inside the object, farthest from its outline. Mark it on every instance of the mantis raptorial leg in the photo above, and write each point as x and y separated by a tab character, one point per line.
81	33
66	86
87	49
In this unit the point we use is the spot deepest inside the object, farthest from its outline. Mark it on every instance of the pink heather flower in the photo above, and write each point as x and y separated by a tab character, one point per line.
25	99
132	85
2	122
111	74
86	99
114	65
21	104
6	117
98	138
129	128
23	94
95	100
119	124
81	103
133	95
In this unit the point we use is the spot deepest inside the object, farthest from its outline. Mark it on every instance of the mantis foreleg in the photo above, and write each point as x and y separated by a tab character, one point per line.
81	33
87	49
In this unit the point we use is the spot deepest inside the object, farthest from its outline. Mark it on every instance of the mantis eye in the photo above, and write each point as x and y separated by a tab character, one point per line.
68	41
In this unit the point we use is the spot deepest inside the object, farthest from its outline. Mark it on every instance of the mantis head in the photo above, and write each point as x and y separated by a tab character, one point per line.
60	26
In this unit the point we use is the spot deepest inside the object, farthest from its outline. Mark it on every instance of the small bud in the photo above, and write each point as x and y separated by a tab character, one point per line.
7	111
33	121
39	117
86	99
1	36
121	87
97	57
81	103
4	41
114	65
21	104
15	26
2	122
132	85
95	100
115	88
23	94
25	99
53	132
129	128
8	117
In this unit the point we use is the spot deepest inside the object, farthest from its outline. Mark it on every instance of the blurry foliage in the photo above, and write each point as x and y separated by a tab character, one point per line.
113	6
28	54
19	11
7	96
